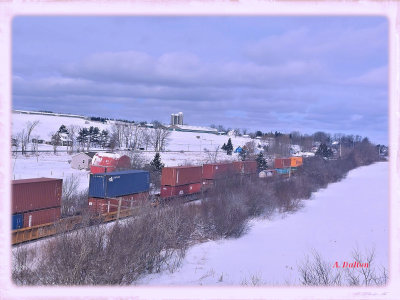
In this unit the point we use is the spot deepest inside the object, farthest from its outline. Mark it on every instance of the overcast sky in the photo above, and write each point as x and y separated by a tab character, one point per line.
260	73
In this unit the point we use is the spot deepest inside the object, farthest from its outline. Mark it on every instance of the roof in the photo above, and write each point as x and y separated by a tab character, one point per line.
34	180
182	167
116	173
91	154
83	153
193	128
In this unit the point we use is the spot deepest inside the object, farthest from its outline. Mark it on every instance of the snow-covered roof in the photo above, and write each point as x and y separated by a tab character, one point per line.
100	155
194	128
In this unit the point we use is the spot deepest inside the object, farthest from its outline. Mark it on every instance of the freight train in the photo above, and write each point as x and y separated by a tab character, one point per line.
36	203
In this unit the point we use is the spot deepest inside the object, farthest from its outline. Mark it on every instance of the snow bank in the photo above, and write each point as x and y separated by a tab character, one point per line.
349	214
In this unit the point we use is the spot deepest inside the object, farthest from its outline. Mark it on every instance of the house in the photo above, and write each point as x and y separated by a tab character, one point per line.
82	160
238	150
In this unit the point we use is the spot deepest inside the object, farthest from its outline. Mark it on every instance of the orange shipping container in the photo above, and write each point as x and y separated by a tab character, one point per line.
296	161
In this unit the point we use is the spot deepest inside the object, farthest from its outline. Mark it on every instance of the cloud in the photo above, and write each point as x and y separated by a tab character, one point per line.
185	69
377	77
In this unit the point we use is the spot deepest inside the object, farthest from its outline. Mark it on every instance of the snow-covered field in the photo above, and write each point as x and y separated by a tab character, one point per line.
347	215
185	141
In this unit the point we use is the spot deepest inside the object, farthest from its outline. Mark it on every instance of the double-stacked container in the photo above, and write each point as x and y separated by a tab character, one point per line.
180	181
213	172
107	190
35	201
295	161
283	165
246	167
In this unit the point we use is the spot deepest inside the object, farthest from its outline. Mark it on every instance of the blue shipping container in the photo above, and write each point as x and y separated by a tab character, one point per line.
283	171
17	221
116	184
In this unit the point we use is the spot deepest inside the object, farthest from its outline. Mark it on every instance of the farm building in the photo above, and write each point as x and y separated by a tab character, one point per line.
82	160
198	129
109	162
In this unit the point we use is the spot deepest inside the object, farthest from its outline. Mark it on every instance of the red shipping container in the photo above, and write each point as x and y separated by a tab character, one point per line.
101	205
43	216
281	163
182	190
245	167
208	184
176	176
35	194
215	171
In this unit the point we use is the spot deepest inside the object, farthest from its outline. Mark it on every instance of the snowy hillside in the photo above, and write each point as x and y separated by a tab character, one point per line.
186	147
178	141
349	214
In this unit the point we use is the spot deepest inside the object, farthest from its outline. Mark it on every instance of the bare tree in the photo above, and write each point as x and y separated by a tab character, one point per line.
22	137
35	144
30	126
236	132
72	132
159	136
55	141
317	272
212	156
146	137
15	143
117	134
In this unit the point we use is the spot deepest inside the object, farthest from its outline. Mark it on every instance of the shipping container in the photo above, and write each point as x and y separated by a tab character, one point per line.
35	193
208	184
176	176
296	161
283	171
281	163
17	221
245	167
104	205
43	216
216	171
182	190
121	183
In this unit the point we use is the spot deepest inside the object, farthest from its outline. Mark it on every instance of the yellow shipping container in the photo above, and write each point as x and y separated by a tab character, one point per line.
296	161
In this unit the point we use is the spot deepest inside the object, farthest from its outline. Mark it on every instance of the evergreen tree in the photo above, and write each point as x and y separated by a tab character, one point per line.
229	147
261	162
243	154
104	138
324	151
82	137
156	163
223	147
62	129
